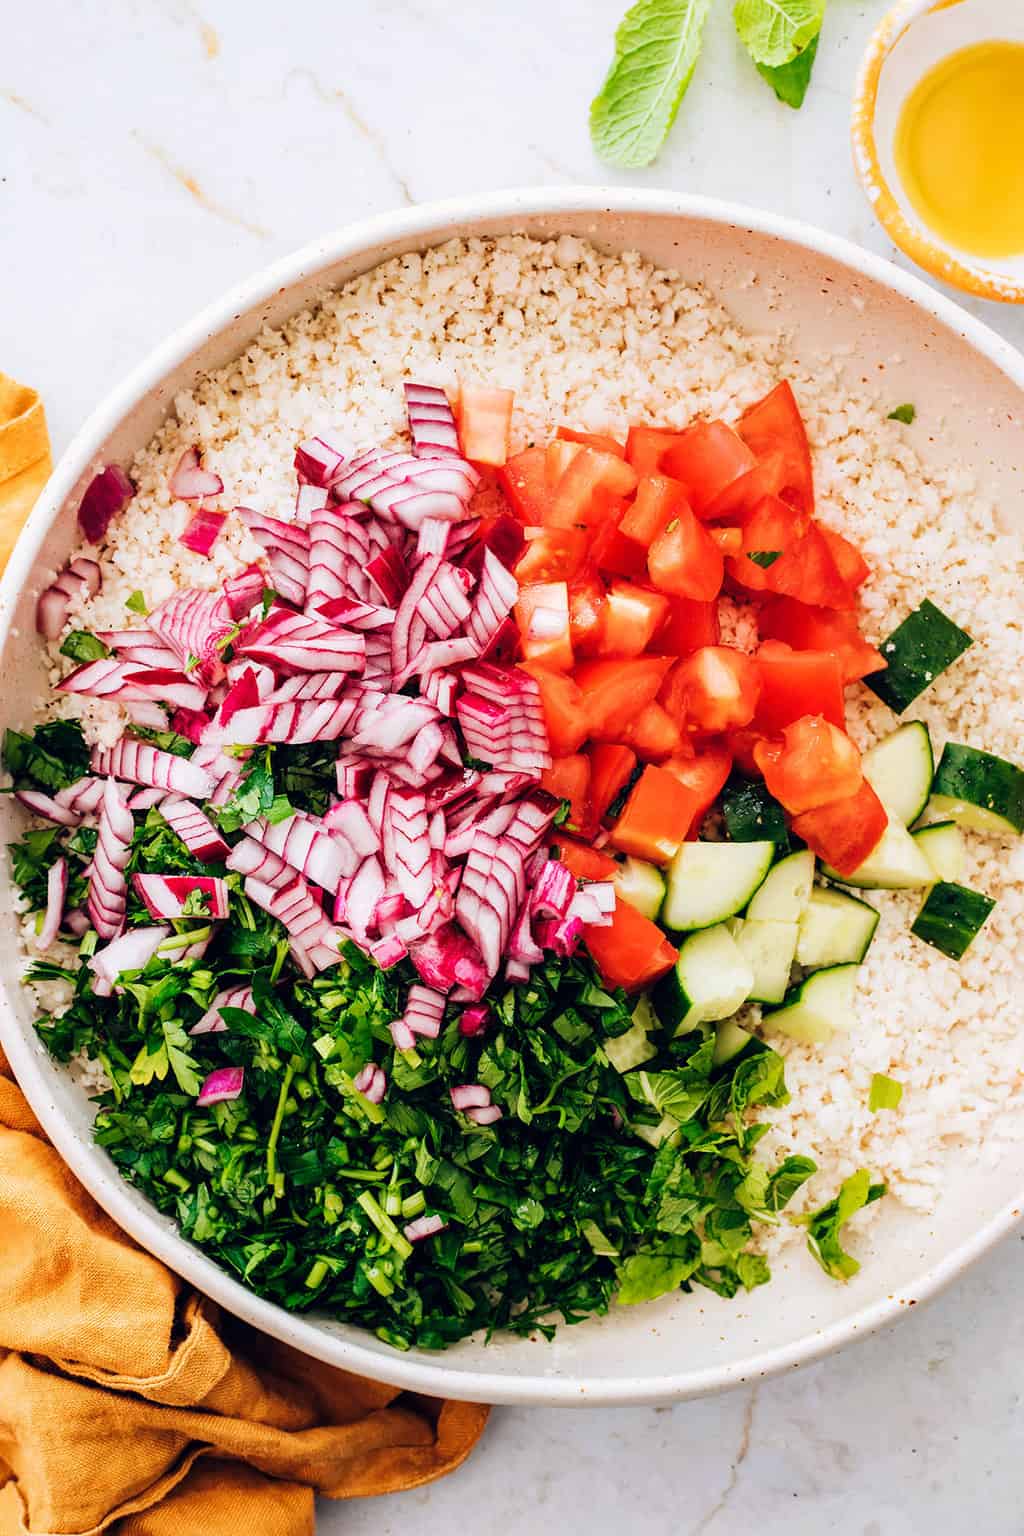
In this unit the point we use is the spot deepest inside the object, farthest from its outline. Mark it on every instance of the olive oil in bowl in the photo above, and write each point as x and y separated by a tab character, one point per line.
959	149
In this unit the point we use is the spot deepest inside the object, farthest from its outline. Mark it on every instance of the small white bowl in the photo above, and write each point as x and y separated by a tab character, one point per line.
913	37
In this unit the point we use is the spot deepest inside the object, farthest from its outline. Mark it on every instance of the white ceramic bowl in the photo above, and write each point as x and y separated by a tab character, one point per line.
771	273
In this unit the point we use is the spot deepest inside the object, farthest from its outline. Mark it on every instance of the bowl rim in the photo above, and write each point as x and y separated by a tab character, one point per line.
32	1067
913	240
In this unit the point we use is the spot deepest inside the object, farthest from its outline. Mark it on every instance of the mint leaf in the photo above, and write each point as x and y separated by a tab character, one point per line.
904	413
764	557
137	603
775	31
656	48
647	1275
81	646
886	1093
790	81
825	1226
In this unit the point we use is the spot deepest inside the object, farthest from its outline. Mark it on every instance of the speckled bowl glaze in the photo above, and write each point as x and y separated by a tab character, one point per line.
911	39
772	274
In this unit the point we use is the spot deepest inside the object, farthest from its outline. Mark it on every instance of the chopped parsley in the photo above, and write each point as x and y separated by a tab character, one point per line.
886	1092
764	557
904	413
137	603
81	646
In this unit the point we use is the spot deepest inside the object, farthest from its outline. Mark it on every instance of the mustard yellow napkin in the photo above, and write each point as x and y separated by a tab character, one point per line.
128	1403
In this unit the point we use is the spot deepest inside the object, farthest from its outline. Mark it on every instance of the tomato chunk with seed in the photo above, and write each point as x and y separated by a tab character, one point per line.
784	552
565	717
611	767
646	448
654	733
689	625
629	620
568	778
708	458
542	617
614	692
525	485
592	440
656	503
616	555
795	683
684	560
632	952
844	832
715	689
551	554
587	598
588	488
739	498
813	765
809	628
656	817
775	423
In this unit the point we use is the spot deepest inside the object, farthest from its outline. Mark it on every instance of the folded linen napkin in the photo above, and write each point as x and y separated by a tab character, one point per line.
128	1403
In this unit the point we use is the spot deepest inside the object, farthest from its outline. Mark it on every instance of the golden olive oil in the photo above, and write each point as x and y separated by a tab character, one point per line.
960	149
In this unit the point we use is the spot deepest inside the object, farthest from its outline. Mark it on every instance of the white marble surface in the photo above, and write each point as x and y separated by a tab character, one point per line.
154	151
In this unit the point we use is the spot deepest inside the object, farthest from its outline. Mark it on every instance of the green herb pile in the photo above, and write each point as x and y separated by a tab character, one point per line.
595	1185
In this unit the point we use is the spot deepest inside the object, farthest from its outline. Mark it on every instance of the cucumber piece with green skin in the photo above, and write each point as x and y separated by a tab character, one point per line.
836	929
785	891
709	981
951	917
978	790
942	844
731	1039
634	1047
752	814
925	644
818	1008
769	949
708	882
640	884
895	864
900	770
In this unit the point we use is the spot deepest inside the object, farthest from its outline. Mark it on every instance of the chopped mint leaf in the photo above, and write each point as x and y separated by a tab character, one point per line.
886	1092
904	413
477	763
824	1227
790	81
764	557
775	31
81	646
137	603
656	49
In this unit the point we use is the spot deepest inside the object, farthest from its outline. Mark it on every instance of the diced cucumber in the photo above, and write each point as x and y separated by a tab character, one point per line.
896	864
785	891
978	790
642	885
819	1007
900	770
951	917
835	929
752	814
730	1040
709	981
942	844
769	949
708	882
925	644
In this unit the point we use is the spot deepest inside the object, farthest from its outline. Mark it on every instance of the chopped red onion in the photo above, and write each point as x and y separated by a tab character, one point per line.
318	462
203	530
486	1114
166	895
131	952
295	642
140	763
388	951
56	893
422	1227
312	851
107	494
46	806
211	1022
470	1096
108	888
371	1083
190	481
402	1035
222	1086
195	829
431	422
473	1021
243	591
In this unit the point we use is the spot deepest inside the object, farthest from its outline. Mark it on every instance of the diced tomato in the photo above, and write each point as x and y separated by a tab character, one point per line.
592	440
685	561
656	503
632	952
814	764
729	540
557	457
646	447
616	555
484	415
654	733
844	832
850	563
630	618
704	775
800	565
611	765
715	689
795	683
568	778
708	457
542	615
614	692
808	628
689	625
586	605
775	423
526	487
657	817
742	744
551	554
741	496
586	493
564	710
585	863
